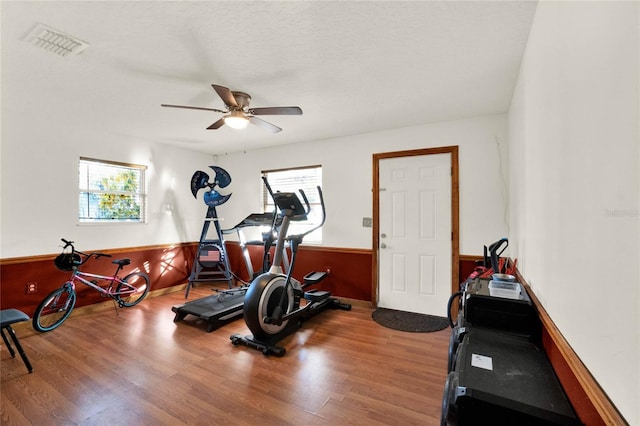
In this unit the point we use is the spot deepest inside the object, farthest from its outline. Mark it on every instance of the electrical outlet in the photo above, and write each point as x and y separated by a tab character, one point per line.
32	287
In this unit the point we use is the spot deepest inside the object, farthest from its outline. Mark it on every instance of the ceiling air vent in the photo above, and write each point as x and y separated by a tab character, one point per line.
55	41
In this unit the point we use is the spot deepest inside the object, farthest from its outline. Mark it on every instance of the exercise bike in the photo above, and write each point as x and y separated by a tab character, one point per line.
272	307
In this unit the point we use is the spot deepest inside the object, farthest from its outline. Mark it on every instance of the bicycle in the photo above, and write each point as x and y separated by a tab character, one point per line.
57	306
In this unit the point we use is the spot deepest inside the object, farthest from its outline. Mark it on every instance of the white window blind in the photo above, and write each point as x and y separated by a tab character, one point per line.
111	192
292	180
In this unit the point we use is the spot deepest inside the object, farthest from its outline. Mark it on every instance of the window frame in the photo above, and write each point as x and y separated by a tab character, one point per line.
311	193
85	188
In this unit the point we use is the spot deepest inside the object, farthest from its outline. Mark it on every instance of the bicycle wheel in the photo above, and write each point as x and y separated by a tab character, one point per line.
133	288
54	309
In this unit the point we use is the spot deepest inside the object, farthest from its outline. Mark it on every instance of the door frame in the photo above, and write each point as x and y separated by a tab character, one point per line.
455	213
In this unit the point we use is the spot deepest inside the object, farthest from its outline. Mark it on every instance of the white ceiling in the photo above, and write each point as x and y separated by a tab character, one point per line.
353	67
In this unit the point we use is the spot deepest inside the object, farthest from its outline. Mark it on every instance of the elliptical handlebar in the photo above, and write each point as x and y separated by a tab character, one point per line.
307	206
324	214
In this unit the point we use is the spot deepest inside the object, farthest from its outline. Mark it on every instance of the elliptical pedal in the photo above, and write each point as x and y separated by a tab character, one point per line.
314	278
316	295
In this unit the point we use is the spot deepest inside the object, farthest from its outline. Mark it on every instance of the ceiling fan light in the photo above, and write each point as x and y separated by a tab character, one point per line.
236	120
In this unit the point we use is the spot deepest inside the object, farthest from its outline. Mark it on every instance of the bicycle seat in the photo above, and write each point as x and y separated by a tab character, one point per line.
122	262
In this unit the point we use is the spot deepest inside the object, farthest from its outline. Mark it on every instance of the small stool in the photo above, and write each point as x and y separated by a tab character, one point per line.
8	317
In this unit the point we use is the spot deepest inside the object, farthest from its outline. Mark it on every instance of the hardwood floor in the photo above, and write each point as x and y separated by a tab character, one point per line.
141	368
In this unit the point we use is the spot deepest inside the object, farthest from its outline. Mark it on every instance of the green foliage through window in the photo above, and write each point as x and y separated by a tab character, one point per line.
111	192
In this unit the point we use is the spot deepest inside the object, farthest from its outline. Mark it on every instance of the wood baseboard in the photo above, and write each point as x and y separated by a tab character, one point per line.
590	402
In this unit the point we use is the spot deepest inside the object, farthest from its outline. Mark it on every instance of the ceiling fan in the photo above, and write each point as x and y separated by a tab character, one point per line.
238	112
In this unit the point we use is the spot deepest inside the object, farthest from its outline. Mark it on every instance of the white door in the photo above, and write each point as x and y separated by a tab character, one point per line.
415	233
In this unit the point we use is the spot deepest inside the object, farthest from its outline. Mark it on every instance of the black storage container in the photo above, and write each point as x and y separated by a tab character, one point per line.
503	379
481	307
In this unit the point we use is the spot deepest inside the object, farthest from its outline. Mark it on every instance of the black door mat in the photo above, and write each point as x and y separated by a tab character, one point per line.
409	321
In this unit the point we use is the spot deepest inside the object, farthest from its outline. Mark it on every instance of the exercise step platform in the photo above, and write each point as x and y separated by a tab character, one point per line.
314	277
316	295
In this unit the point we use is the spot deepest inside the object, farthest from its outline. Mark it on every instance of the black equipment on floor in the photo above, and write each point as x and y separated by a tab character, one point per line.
226	305
272	308
487	304
211	262
484	306
503	379
498	302
215	310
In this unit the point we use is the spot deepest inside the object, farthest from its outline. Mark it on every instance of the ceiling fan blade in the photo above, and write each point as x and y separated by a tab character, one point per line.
217	124
192	107
290	110
265	125
225	94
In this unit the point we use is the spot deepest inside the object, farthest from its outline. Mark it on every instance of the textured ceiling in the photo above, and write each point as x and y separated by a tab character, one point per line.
353	67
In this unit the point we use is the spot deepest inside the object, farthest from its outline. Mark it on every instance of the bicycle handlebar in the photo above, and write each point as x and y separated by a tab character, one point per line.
87	256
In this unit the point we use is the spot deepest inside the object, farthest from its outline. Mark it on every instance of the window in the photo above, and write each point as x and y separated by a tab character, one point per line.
292	180
111	192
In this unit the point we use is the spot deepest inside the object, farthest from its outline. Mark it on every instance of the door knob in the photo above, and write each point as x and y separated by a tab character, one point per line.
383	245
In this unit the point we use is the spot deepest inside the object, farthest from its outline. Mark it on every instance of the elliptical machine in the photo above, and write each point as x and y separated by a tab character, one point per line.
272	308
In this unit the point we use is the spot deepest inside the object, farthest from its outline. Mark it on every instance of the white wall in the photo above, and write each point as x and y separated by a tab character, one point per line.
575	183
347	177
39	179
